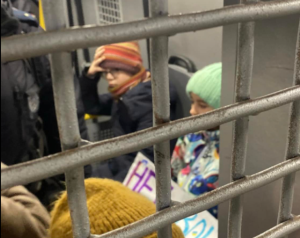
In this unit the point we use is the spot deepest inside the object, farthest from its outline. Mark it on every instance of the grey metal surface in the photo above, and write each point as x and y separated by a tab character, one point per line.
71	39
293	146
161	112
133	10
78	203
282	229
241	126
64	96
268	132
56	164
62	75
217	196
202	47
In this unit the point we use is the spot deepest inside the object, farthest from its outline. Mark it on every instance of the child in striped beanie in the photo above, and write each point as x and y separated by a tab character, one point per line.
129	101
122	66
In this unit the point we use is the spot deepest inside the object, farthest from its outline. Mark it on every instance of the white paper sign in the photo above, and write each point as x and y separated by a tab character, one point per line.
141	179
202	225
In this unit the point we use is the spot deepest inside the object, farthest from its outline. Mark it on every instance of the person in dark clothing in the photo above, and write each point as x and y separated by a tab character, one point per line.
27	74
12	145
129	101
42	72
28	119
19	101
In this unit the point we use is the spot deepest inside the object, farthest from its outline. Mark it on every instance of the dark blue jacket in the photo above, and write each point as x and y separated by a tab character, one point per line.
131	113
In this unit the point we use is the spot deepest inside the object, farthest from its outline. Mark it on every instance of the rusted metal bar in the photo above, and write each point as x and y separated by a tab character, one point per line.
240	134
56	164
66	113
161	112
293	146
82	37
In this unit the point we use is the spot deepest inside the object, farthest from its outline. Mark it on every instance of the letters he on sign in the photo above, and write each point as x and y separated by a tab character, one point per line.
141	179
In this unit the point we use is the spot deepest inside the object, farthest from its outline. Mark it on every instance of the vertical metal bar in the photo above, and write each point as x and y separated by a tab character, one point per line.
81	22
64	96
161	112
240	135
293	146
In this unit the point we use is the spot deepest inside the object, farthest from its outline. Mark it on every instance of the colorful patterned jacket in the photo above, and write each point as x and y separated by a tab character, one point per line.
195	162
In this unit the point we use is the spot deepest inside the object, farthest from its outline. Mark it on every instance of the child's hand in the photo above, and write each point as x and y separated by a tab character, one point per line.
98	59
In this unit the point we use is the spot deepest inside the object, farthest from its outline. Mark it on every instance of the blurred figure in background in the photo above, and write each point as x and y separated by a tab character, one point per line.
28	119
195	161
129	101
22	215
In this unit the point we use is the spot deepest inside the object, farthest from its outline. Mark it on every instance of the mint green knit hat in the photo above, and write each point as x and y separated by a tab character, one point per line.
206	83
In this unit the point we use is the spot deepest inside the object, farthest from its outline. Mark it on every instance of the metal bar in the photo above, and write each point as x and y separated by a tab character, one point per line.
211	199
146	15
56	164
282	229
71	23
293	146
161	112
240	132
66	113
81	22
82	37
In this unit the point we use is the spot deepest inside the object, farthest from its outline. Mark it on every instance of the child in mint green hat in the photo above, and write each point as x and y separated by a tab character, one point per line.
195	160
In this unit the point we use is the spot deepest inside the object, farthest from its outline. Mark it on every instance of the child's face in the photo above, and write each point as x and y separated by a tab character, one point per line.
198	106
116	77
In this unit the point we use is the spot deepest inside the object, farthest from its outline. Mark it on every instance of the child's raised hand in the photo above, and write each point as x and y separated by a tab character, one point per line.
98	59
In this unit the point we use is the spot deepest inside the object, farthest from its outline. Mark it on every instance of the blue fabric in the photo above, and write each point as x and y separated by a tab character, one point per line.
25	17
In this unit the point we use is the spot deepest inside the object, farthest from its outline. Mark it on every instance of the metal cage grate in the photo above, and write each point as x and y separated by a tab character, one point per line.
109	11
158	28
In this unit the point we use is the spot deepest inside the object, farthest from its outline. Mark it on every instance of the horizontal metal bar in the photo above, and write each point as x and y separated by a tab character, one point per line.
282	229
56	164
170	215
31	45
293	145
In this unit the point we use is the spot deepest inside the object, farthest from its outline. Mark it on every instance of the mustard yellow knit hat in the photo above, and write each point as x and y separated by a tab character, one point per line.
110	204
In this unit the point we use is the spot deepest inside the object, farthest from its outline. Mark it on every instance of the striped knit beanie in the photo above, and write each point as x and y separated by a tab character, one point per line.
206	83
125	56
110	204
